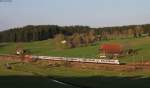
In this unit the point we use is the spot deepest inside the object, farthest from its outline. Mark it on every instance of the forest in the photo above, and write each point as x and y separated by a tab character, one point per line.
31	33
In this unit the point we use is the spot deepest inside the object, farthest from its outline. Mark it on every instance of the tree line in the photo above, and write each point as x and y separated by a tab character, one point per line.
42	32
76	40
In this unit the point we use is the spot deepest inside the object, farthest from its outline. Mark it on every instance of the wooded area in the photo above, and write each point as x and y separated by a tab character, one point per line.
42	32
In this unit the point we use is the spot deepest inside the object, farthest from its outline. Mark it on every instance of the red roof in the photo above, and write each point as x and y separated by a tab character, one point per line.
111	48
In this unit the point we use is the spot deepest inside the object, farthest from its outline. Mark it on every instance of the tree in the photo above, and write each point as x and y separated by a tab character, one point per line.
125	33
130	32
115	34
105	35
58	41
92	36
43	32
84	39
138	31
76	41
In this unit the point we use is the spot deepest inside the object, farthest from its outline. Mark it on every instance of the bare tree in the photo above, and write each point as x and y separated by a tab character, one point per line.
130	32
91	36
76	40
59	41
85	39
138	31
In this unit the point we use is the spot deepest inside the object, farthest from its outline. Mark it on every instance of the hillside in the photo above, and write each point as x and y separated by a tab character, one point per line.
46	47
39	74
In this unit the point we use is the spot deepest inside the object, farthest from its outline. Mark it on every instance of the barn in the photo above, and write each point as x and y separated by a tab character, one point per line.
113	49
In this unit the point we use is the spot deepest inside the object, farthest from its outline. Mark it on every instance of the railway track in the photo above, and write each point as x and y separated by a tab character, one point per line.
84	63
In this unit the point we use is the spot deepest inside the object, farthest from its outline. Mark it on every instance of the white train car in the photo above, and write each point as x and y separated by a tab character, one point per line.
107	61
74	59
100	61
89	60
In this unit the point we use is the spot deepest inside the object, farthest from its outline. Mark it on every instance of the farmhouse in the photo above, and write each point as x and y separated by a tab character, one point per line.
19	51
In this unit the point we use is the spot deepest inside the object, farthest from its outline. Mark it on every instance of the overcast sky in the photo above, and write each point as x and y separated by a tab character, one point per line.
94	13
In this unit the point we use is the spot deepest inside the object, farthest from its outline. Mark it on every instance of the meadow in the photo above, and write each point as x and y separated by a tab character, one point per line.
38	75
46	47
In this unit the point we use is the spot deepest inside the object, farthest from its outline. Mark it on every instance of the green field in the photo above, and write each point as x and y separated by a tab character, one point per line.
35	75
46	47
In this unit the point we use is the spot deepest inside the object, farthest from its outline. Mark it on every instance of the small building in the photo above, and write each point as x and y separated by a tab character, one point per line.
19	51
111	49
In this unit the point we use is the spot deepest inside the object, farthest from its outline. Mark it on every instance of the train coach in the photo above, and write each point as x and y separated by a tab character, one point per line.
83	60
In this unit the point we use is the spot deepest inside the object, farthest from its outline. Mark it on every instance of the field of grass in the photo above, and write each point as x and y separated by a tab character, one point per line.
24	75
34	75
46	47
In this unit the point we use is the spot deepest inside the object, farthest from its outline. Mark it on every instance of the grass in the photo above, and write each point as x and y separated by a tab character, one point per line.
34	75
37	75
23	75
46	47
